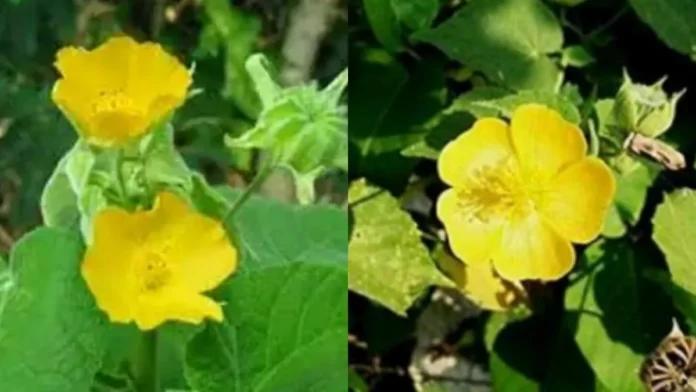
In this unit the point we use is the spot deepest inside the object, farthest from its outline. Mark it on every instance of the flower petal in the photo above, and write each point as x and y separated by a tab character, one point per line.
481	284
576	205
544	141
472	240
530	249
114	59
156	310
161	82
202	255
107	264
485	144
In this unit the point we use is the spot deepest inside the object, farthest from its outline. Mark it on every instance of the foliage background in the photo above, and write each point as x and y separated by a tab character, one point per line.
216	35
421	72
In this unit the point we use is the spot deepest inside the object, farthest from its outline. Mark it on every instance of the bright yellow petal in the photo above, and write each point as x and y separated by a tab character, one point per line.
73	100
162	81
115	60
107	263
485	144
76	65
530	249
157	309
577	202
202	254
481	284
544	141
472	240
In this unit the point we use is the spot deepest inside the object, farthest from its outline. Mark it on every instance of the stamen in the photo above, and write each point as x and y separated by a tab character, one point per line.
498	191
113	101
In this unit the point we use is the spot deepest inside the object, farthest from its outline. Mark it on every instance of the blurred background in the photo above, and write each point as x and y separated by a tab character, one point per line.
306	39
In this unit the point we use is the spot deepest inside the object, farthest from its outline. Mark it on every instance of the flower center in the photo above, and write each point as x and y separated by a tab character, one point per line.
155	272
499	191
110	101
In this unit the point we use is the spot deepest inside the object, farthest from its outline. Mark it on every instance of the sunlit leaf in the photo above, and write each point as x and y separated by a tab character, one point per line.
508	40
673	231
387	261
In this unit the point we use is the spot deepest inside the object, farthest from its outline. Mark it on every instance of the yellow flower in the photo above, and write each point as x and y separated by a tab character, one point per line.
521	194
115	92
153	266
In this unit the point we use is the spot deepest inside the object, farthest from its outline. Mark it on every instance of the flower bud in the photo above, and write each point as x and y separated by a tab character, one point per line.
644	109
302	127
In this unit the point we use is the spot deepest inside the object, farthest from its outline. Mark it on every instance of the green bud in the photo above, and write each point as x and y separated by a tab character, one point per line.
302	127
644	109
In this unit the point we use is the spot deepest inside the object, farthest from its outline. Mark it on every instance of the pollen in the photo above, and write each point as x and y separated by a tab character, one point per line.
114	101
156	274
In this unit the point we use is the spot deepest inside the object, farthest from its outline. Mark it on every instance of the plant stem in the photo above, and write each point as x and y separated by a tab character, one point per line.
120	181
147	377
261	175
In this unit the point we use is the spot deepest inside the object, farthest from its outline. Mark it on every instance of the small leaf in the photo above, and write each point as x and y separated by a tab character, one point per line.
356	383
388	263
237	32
58	201
508	40
576	56
674	231
163	165
384	24
569	3
416	14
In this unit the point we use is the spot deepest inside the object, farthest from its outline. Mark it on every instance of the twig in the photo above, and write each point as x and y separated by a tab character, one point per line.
157	18
309	24
372	370
656	150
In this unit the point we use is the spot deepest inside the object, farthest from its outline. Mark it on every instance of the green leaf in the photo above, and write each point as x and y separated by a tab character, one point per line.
536	354
508	40
384	24
58	200
356	383
387	261
671	20
416	14
52	336
286	331
576	56
286	315
384	115
631	191
163	165
684	301
674	231
507	104
569	3
443	128
616	316
238	32
78	166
